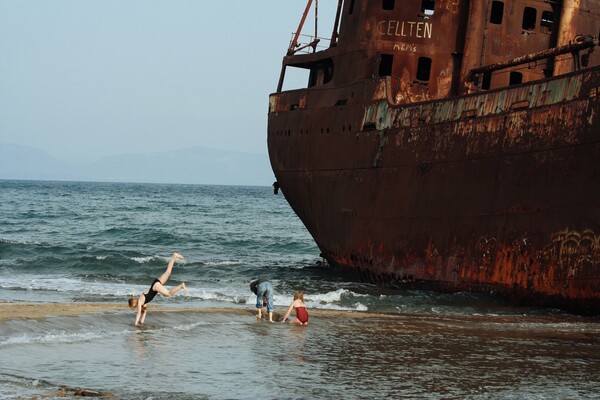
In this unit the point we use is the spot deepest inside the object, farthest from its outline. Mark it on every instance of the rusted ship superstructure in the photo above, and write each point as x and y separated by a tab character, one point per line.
453	144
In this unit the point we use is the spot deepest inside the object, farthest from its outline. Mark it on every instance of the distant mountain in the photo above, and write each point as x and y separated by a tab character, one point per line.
194	165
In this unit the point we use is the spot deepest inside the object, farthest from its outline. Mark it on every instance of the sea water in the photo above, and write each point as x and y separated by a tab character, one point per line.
70	242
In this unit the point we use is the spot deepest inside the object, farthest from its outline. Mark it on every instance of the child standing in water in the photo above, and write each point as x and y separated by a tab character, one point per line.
156	287
300	307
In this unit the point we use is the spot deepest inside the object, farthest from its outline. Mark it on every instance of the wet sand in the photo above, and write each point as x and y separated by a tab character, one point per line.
476	324
508	326
10	311
15	310
91	347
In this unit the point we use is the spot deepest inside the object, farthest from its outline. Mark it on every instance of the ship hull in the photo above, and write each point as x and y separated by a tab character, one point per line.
495	192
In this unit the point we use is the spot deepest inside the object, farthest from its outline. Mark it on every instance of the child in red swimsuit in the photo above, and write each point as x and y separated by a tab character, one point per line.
300	307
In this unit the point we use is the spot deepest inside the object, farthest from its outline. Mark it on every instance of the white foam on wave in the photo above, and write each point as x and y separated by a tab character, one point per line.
340	299
326	301
178	327
145	259
20	241
329	297
64	336
222	263
61	337
209	294
39	282
355	307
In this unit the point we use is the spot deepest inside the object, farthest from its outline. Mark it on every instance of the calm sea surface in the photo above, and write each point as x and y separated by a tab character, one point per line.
102	242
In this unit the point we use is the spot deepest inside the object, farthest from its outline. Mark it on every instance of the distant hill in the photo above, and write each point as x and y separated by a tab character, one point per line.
194	165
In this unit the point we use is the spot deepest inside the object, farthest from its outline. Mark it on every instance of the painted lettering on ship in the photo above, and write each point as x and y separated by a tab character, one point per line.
408	47
405	29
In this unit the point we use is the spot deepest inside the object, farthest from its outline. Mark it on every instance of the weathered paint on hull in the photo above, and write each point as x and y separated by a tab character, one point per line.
490	192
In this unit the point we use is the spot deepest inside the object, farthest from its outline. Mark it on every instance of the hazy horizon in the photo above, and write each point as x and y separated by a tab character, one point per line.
86	80
193	165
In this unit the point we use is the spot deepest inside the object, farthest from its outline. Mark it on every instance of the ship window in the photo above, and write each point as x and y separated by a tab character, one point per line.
385	65
529	16
497	12
388	4
516	78
296	78
351	8
486	81
423	68
547	21
321	73
427	7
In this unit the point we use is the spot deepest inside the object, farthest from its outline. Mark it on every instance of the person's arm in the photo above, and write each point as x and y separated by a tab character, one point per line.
288	312
141	301
144	310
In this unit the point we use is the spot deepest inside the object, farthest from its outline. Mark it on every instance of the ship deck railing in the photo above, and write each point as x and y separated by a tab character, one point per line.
309	43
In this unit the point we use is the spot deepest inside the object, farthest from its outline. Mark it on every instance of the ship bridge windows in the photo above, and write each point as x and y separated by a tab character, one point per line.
294	77
427	7
497	12
351	7
516	78
321	73
423	69
529	17
486	81
547	21
385	65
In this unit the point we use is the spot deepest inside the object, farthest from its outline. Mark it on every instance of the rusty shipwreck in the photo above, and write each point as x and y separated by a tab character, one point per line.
453	144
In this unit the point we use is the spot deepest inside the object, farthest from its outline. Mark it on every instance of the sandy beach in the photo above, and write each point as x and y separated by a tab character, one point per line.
10	311
476	323
17	310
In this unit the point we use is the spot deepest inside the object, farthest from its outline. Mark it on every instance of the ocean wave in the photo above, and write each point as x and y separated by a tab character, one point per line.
219	263
146	259
187	327
340	299
25	242
71	285
61	337
21	387
353	307
207	294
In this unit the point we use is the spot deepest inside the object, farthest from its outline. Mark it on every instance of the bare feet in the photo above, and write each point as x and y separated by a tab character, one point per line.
177	256
185	287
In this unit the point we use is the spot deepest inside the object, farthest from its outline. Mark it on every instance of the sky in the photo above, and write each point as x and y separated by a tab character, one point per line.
84	79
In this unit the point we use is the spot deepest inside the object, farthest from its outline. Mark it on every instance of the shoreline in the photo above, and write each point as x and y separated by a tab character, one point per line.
31	310
38	311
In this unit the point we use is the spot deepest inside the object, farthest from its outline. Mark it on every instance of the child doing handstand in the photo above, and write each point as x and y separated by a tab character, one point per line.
156	287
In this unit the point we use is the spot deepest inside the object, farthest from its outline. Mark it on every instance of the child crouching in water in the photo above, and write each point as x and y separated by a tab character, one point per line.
300	307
